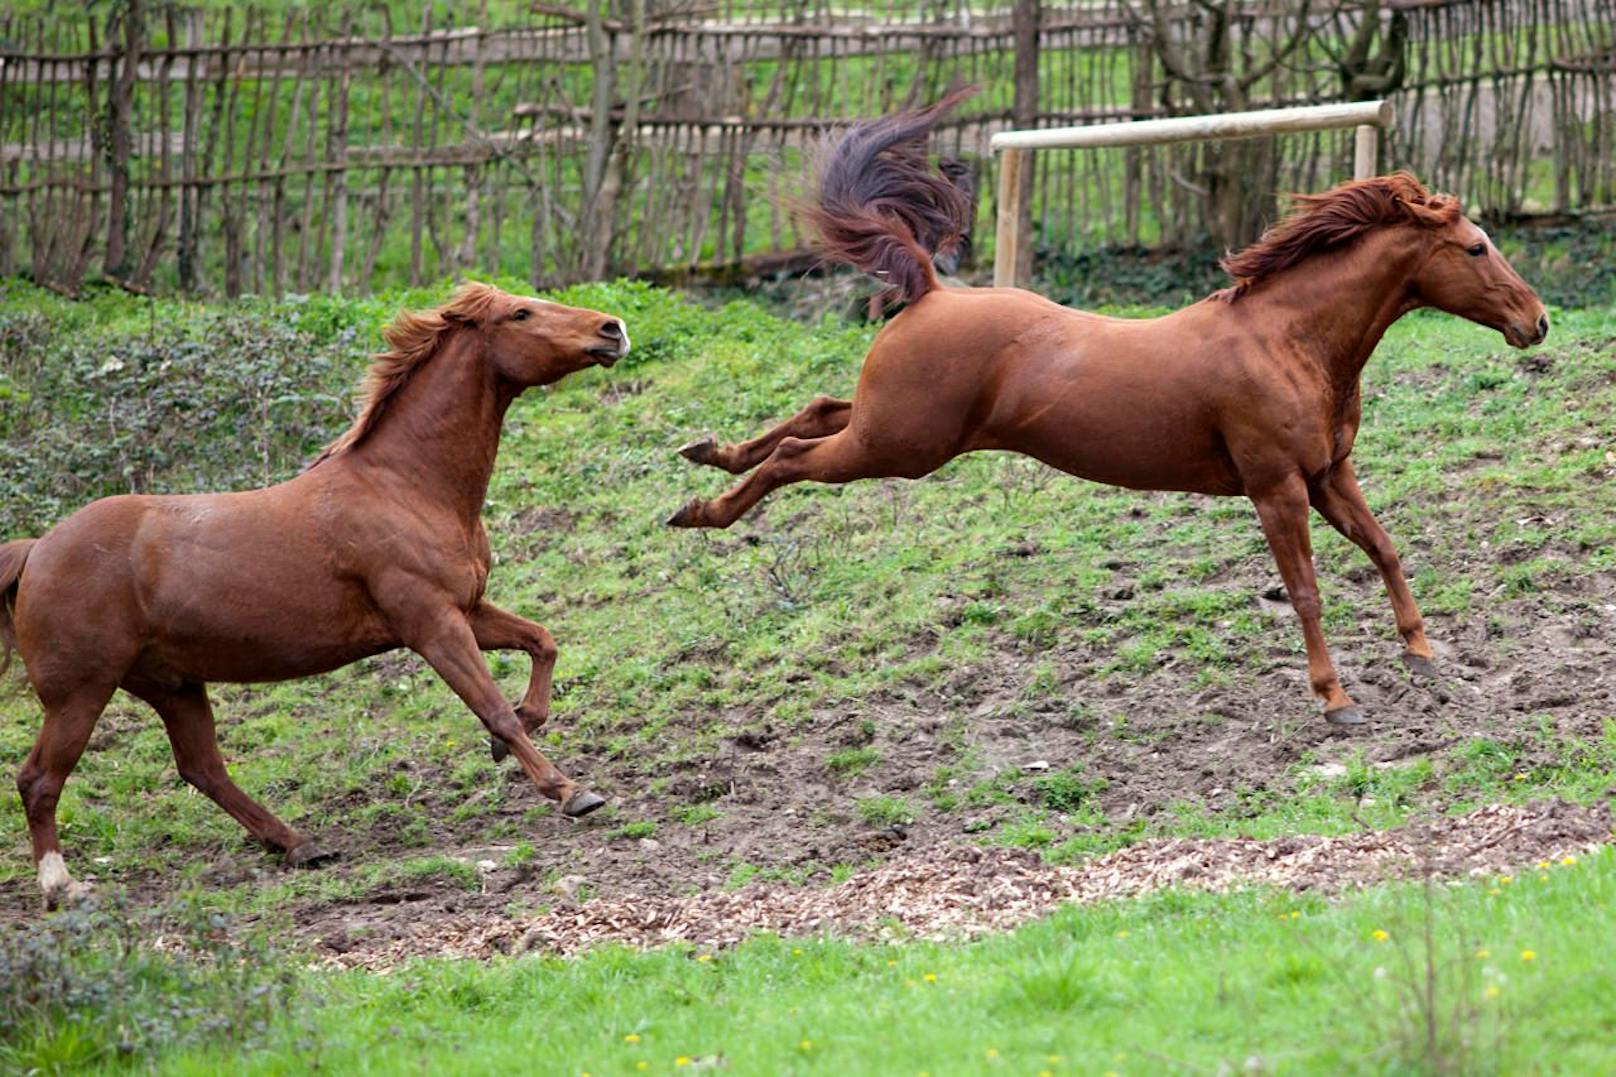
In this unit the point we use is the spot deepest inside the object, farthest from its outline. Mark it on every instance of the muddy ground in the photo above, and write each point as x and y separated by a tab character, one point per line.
1534	673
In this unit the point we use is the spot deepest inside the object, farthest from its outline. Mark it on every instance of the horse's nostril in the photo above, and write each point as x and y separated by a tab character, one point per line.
1542	325
612	330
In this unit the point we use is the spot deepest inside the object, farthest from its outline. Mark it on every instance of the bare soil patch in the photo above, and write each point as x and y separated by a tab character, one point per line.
960	893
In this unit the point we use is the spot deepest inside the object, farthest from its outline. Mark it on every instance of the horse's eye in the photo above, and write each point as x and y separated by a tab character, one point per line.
1476	251
521	315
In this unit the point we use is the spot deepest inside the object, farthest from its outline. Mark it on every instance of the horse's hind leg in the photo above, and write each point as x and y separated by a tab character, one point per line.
69	720
839	458
188	717
820	419
1340	501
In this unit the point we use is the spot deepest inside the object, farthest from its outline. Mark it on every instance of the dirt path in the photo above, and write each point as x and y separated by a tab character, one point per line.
962	893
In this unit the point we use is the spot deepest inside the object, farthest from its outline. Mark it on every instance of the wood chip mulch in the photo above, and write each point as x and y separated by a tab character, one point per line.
969	891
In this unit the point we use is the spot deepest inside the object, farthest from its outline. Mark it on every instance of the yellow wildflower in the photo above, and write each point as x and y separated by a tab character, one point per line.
931	977
1519	777
1122	934
1493	991
993	1053
1542	865
704	957
1528	955
1483	953
806	1045
1494	892
682	1060
632	1037
642	1064
1505	880
1568	861
1378	935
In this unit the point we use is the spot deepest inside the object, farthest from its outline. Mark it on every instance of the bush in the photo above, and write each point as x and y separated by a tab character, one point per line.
218	401
87	986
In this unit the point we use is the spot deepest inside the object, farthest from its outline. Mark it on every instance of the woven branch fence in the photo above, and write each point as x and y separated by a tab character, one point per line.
243	151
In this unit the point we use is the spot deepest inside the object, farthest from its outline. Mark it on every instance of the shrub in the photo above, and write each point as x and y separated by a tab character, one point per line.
85	986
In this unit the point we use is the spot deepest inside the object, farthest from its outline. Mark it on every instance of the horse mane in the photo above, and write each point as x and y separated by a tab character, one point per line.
1320	222
412	338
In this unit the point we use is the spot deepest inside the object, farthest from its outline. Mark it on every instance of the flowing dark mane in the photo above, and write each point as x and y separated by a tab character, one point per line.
1320	222
412	339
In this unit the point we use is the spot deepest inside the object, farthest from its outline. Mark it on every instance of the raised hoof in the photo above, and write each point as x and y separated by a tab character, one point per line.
1420	667
498	749
700	451
687	514
310	855
1346	716
581	804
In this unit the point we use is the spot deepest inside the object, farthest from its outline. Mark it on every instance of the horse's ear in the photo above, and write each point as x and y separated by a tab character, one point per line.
1433	213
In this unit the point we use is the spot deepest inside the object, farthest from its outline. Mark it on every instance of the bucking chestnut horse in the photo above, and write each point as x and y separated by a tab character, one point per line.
378	544
1253	391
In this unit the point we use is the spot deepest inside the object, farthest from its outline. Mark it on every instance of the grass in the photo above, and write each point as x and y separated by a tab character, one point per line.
1515	979
913	646
891	590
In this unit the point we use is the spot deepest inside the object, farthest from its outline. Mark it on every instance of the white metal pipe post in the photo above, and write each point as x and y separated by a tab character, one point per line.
1016	147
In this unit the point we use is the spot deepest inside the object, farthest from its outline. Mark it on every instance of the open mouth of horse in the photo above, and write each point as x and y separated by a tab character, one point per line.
608	355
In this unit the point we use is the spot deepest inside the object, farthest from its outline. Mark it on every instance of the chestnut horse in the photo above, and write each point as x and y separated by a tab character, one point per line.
1253	391
377	545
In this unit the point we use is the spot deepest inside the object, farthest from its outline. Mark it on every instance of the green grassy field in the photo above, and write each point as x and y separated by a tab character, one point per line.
762	702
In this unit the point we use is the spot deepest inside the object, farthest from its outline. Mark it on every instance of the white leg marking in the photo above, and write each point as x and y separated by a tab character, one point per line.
53	876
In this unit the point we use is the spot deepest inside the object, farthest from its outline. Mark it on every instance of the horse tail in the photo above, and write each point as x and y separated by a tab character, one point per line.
882	208
13	555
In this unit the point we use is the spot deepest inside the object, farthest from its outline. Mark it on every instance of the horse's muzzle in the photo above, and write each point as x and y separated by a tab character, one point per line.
1525	334
616	333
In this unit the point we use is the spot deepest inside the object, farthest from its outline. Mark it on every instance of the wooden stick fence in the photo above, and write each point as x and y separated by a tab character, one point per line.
1015	147
248	151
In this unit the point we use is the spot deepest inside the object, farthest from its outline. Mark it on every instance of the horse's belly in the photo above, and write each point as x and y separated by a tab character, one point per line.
247	656
1190	463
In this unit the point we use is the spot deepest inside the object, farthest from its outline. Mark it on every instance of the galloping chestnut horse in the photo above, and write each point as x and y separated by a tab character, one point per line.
378	544
1252	391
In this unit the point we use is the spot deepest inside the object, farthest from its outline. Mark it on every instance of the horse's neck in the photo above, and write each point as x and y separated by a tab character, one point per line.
1337	308
440	434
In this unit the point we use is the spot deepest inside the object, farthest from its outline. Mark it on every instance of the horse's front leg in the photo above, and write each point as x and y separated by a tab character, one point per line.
497	630
442	635
1283	511
820	419
1340	501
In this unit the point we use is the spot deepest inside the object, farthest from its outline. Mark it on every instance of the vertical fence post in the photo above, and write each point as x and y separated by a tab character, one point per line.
1007	244
120	107
1366	152
1027	16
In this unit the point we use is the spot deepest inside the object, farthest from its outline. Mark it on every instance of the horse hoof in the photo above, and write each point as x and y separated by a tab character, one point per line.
1350	715
700	451
581	804
310	855
498	749
70	895
687	514
1420	667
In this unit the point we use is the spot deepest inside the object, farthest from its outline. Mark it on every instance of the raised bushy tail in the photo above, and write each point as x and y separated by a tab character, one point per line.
12	557
882	207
